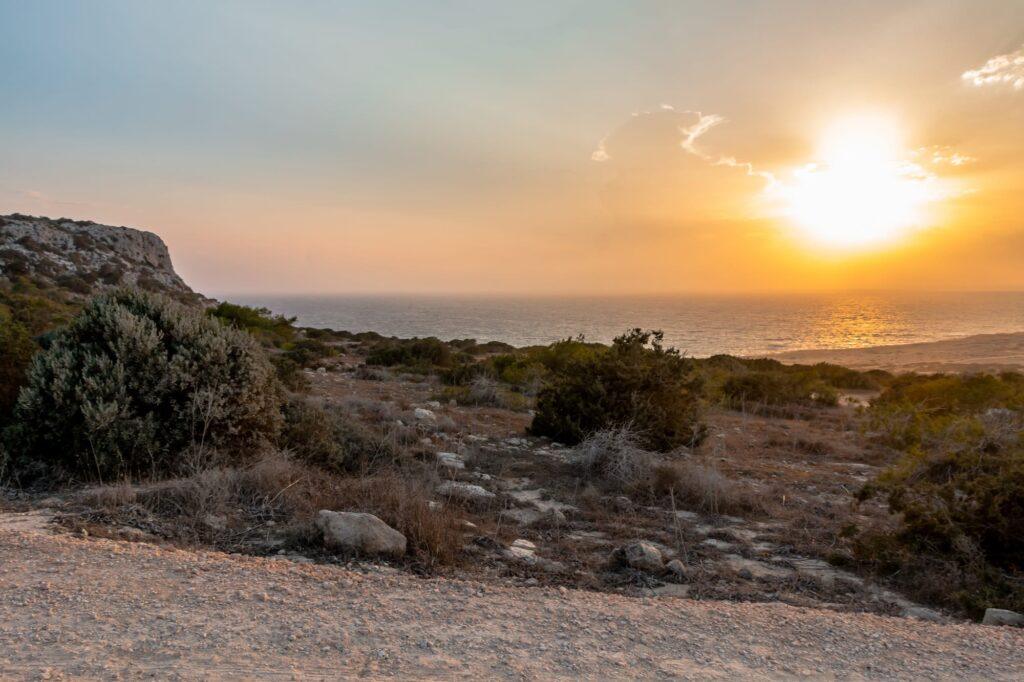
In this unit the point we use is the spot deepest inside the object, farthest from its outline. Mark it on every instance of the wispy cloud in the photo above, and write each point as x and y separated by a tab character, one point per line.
601	153
690	132
941	155
1005	69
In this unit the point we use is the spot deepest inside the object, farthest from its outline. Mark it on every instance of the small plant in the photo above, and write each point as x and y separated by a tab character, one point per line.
636	382
134	381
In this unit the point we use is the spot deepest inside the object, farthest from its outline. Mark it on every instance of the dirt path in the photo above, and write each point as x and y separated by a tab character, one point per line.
73	607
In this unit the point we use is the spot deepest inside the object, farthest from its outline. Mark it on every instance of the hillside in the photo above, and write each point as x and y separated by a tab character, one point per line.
82	258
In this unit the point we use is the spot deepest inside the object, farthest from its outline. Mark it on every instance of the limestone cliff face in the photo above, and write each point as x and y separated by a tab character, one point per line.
85	257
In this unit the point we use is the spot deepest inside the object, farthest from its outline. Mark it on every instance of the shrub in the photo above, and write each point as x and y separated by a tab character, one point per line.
270	329
306	352
16	350
635	382
414	353
958	489
134	380
326	437
776	389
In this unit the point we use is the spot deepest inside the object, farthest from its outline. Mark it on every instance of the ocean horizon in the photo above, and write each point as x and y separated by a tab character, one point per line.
698	325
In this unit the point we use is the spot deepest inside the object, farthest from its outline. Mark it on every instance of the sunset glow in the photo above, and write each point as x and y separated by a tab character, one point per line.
395	147
861	194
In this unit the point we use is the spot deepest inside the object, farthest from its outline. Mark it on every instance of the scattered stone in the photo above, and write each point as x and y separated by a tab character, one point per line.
435	404
671	590
1003	617
757	569
523	550
424	414
622	504
923	613
321	370
360	532
451	460
643	556
676	568
467	492
523	517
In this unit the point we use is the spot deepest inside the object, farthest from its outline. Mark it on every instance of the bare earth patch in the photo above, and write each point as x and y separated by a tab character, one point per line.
83	608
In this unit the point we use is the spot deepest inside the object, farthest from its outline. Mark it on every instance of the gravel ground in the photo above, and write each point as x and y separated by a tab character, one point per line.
83	608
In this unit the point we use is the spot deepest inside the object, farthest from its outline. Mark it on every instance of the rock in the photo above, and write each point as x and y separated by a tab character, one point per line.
1003	617
523	547
523	517
676	568
467	492
554	517
622	504
923	613
757	569
423	414
321	370
359	532
643	556
435	404
450	460
671	590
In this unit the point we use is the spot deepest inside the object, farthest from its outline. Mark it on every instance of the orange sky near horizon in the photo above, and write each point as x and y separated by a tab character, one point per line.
550	148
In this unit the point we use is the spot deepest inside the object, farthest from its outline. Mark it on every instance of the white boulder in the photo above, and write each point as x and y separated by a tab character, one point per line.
359	532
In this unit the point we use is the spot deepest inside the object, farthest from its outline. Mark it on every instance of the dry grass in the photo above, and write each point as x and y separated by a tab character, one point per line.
614	456
702	487
231	507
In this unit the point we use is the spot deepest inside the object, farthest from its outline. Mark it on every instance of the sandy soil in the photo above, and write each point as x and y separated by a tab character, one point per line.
983	352
84	608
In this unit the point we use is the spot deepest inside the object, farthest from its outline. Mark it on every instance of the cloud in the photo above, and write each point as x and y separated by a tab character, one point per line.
690	131
1004	69
941	155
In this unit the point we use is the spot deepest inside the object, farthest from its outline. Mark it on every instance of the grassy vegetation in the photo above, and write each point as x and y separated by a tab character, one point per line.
957	490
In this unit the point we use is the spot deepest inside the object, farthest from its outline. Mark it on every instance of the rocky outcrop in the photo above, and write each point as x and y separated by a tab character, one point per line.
84	257
358	532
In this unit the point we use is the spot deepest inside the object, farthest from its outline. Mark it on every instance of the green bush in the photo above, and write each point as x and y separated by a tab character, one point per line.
271	329
133	381
926	410
776	389
635	382
306	352
412	353
16	350
957	490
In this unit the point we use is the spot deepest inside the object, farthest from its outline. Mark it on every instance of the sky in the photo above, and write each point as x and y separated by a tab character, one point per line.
576	147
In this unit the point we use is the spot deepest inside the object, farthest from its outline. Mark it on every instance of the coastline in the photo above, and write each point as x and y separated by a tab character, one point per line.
974	353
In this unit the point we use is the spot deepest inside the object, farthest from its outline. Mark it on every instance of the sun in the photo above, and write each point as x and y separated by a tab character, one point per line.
859	194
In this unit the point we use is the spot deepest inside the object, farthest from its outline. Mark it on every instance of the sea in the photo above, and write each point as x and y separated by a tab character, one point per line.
698	325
